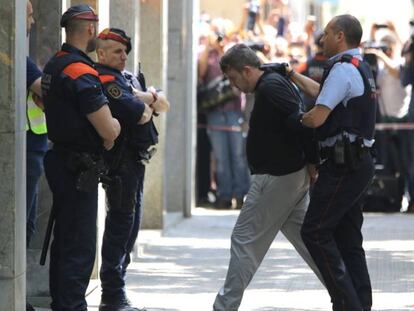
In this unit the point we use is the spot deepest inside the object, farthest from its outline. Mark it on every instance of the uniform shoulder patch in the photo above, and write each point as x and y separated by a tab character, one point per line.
114	91
75	70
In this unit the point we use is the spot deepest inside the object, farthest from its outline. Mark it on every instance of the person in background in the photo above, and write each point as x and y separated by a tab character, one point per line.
407	79
36	138
314	67
224	128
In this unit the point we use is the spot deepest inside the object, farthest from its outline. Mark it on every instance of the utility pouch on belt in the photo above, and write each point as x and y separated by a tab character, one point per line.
339	151
89	170
145	156
344	153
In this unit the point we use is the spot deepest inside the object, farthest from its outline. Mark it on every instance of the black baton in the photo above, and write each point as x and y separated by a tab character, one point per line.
48	234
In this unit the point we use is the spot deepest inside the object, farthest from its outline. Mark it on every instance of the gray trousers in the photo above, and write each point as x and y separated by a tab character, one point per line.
273	204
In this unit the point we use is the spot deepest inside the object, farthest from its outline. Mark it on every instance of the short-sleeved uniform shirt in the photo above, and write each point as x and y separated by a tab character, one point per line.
343	83
69	96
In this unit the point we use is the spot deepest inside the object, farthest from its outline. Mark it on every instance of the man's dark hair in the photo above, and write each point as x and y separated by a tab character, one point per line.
350	26
237	57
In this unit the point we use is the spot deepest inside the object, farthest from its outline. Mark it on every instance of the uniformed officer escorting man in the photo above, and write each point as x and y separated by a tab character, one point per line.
80	126
134	109
344	118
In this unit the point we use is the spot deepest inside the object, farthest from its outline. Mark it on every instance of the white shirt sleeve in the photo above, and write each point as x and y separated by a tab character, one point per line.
343	83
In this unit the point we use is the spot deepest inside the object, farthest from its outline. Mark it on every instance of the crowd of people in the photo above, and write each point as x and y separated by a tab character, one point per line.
275	38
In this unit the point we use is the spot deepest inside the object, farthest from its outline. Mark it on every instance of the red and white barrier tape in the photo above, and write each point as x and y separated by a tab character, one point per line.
394	126
222	128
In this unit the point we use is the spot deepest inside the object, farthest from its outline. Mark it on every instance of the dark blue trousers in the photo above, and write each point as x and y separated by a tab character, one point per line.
72	253
121	228
34	169
332	233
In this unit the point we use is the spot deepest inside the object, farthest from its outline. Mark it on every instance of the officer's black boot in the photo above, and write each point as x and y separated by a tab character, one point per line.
122	304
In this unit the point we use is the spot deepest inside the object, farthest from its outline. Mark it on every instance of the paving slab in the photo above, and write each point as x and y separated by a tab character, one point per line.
182	268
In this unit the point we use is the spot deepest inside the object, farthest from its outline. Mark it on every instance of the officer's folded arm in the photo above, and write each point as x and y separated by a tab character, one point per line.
146	115
107	126
305	84
316	116
146	97
155	99
161	104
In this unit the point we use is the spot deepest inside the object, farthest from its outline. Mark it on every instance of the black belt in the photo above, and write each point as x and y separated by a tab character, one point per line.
357	150
66	148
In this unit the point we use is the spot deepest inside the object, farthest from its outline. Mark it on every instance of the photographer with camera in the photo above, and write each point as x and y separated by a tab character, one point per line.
279	194
224	124
395	148
407	79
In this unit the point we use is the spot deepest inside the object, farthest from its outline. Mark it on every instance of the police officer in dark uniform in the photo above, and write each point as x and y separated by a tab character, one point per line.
80	126
134	109
344	118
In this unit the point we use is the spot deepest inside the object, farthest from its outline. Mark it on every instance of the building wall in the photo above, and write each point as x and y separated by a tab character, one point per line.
230	9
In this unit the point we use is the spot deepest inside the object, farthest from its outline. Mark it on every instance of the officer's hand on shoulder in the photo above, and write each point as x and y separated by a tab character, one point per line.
146	115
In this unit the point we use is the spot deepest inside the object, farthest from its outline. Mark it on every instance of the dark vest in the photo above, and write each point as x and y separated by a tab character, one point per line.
358	117
138	136
66	125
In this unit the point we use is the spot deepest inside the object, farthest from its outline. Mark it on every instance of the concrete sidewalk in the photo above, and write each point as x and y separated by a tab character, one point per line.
184	268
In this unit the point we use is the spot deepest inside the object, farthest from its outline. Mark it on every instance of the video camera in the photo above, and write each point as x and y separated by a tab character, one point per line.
91	172
370	58
279	68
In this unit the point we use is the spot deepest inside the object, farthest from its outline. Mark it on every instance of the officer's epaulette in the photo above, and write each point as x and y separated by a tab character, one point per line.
75	70
107	78
61	53
347	58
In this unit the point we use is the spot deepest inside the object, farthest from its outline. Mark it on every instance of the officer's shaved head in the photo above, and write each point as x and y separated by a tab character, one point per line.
102	44
350	26
112	53
77	26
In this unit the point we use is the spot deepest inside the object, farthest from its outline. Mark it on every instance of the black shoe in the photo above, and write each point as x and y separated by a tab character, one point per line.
122	305
239	203
410	208
29	307
222	204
